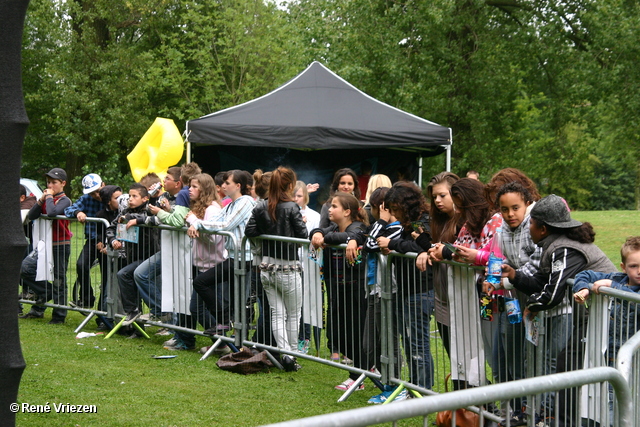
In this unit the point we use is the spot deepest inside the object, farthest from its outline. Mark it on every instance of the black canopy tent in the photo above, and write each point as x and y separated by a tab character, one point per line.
316	110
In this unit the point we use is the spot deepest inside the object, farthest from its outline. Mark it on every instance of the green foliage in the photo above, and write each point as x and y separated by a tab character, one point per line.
98	73
549	87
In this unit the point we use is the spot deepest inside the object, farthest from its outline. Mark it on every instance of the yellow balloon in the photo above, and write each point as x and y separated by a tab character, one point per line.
159	148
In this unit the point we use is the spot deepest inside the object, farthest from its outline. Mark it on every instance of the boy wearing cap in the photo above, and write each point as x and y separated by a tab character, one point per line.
86	206
52	203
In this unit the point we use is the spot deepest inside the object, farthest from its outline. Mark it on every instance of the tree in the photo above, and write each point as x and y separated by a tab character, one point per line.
105	70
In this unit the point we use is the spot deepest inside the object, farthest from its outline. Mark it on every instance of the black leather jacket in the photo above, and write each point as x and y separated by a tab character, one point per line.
288	223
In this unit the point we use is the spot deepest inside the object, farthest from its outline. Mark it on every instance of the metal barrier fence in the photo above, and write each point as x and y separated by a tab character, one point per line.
475	396
396	327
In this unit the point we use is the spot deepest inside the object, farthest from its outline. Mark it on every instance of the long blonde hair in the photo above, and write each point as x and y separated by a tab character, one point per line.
208	194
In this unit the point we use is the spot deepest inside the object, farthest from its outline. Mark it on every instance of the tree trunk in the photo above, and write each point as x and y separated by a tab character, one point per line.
13	126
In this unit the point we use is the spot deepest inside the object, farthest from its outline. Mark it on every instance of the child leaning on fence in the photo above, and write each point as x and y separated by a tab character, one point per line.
52	203
345	276
141	244
207	252
624	321
385	225
109	195
624	314
414	303
87	206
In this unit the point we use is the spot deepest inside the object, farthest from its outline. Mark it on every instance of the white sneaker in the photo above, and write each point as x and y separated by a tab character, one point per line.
170	342
348	383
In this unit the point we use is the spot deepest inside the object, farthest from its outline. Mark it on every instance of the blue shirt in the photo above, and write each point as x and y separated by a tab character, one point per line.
90	207
182	198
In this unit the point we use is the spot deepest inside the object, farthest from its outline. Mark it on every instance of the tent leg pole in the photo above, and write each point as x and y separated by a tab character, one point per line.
448	166
420	171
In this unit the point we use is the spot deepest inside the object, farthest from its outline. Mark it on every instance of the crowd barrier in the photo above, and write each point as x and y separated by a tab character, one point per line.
400	327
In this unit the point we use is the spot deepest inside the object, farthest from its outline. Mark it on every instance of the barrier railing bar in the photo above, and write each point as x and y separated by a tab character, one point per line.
474	396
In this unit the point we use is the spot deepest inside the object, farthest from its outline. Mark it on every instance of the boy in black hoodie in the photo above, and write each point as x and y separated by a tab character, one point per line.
109	195
137	252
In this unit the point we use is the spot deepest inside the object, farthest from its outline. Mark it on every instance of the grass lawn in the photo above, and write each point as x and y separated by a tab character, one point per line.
130	388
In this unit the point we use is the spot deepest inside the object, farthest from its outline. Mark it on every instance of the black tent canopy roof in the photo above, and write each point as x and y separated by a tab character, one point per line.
317	109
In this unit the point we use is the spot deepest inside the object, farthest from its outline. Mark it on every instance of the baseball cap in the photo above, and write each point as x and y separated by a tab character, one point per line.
554	211
57	173
91	183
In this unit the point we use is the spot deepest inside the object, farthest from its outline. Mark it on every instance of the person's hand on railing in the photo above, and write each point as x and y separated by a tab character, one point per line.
422	260
193	232
82	217
131	223
383	242
317	240
599	284
352	251
116	244
435	253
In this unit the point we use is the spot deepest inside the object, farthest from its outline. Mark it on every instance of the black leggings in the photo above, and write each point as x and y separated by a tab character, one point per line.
218	297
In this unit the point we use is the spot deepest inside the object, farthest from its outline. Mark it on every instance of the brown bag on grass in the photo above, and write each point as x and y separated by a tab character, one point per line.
246	361
464	417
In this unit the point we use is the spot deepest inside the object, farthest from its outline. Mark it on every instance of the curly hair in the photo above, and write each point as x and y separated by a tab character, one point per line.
208	194
504	176
443	227
514	187
471	201
583	233
409	199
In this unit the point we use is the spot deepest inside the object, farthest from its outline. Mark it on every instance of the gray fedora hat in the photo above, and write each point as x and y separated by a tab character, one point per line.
554	211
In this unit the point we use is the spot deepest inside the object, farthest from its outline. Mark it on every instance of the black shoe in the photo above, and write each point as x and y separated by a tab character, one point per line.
102	327
131	317
56	321
290	364
211	331
30	296
32	315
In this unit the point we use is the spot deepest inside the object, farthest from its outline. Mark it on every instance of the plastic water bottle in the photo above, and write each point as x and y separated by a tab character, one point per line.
512	306
494	266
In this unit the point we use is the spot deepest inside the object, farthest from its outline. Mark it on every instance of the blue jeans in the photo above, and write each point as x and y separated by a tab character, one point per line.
415	329
558	329
148	280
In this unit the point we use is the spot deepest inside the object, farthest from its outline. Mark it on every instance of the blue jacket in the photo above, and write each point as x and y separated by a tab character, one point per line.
625	317
90	207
